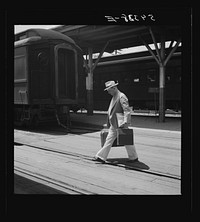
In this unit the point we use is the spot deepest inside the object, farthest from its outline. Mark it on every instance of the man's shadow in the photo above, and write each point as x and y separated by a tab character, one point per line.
124	161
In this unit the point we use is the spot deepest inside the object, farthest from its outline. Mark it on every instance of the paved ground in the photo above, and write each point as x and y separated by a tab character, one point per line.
158	146
171	123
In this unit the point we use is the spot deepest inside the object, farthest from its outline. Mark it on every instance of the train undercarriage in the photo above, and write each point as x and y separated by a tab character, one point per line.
33	116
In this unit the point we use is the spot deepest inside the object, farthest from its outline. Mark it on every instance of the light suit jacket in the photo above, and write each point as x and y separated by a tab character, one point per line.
121	106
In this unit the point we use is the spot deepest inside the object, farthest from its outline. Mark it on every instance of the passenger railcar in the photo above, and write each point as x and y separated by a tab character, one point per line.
49	79
138	77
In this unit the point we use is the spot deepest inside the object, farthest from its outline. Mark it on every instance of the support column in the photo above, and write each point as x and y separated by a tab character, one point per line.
162	81
89	84
162	62
89	79
162	94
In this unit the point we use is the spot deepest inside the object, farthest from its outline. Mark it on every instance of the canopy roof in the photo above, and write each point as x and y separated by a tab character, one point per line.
118	36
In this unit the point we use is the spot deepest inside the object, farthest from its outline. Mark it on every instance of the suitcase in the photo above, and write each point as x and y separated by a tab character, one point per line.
124	137
103	135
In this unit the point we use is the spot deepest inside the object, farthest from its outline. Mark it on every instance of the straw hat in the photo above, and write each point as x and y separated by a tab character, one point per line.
110	84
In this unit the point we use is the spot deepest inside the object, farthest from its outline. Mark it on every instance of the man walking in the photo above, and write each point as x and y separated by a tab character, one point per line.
119	104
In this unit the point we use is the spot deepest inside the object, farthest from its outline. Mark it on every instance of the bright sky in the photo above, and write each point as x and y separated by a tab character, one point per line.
21	28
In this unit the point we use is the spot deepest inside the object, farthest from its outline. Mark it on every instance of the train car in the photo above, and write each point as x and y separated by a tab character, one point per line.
49	79
138	77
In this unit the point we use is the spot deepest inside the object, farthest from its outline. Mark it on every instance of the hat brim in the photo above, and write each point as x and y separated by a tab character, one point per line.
111	86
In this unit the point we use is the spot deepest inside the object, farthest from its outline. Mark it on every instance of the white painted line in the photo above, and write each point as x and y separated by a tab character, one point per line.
156	130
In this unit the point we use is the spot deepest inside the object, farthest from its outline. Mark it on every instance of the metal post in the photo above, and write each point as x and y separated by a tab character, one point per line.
89	84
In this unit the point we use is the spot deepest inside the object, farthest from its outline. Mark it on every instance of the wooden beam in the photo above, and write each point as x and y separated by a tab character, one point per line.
171	44
86	65
162	49
150	50
89	84
162	94
100	55
109	33
172	51
156	46
162	81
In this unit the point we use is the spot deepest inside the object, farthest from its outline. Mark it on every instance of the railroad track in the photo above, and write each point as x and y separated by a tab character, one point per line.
89	129
60	186
82	129
73	189
88	158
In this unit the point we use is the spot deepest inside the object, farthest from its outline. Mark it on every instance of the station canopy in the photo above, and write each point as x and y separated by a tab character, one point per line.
117	36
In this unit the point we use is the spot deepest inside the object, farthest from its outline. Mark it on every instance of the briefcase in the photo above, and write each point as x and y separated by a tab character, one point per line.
103	135
124	137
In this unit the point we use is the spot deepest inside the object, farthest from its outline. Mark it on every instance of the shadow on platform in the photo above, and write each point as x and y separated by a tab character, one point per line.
124	161
53	129
23	185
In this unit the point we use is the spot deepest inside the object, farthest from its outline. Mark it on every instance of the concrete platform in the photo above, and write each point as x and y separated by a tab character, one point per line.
141	121
159	151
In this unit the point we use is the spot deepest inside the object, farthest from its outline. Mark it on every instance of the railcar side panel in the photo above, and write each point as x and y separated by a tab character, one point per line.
21	76
137	80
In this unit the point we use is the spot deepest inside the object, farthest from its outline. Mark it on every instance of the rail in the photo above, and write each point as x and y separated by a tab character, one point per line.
55	184
72	154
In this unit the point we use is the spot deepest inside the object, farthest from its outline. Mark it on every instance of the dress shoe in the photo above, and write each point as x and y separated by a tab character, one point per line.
97	159
133	161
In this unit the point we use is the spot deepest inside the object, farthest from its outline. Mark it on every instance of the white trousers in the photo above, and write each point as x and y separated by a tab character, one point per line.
112	135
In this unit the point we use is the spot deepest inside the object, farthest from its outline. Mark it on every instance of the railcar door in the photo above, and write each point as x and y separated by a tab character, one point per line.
65	74
40	70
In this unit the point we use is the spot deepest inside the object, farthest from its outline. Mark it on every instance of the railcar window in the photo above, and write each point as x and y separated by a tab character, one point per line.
171	75
126	78
151	75
136	80
20	67
115	75
178	74
66	73
103	78
43	58
151	78
168	78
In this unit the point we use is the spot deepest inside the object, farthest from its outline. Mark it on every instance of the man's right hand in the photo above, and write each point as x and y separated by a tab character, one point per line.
105	126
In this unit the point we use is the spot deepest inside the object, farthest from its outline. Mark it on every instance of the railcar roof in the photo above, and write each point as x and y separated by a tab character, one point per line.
31	35
118	36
